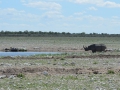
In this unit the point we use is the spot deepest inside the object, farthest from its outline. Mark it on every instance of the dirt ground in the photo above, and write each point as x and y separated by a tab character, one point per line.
25	70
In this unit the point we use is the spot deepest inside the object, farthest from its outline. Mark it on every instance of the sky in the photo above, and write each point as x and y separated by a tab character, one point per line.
74	16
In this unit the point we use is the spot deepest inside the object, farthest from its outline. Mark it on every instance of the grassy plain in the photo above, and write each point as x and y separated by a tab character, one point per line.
73	70
57	43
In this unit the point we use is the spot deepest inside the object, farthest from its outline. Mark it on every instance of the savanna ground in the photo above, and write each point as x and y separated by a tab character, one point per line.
74	69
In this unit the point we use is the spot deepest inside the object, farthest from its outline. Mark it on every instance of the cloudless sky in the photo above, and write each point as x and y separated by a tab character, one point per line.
74	16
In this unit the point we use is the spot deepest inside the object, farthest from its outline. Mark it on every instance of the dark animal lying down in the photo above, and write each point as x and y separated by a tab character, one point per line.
14	50
95	48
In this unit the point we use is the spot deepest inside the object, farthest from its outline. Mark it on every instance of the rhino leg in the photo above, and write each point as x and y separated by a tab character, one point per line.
93	51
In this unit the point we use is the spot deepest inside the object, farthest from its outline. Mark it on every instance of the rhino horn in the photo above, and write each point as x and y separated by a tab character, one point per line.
84	46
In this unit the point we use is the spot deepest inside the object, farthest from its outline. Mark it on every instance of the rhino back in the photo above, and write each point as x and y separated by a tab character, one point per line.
97	47
91	47
100	47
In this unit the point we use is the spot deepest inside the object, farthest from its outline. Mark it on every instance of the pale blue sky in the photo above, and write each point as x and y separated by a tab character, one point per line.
74	16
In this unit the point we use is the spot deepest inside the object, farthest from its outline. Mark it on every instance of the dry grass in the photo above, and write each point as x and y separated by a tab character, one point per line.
57	43
48	78
90	72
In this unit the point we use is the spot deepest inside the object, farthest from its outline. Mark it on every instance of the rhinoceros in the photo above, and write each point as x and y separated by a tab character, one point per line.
95	48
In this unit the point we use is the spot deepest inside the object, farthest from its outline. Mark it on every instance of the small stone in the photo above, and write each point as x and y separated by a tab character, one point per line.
45	73
66	63
73	64
12	76
3	76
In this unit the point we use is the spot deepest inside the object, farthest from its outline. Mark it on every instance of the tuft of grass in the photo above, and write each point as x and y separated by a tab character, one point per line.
95	62
110	72
62	58
20	75
71	77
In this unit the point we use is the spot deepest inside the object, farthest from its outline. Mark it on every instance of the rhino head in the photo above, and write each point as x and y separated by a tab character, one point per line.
85	48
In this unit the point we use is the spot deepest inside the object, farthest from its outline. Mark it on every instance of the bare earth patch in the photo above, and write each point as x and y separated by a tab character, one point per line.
51	71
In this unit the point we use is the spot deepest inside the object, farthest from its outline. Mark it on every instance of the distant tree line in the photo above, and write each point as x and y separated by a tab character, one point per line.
27	33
